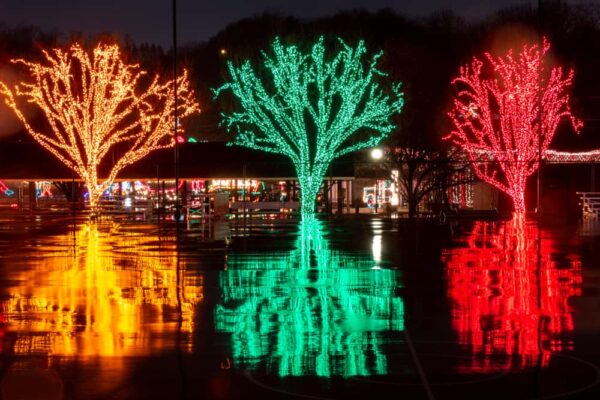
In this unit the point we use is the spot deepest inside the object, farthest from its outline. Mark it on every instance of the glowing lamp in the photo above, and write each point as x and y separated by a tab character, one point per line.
376	154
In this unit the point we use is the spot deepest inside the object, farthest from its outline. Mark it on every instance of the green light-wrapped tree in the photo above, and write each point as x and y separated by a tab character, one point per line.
311	107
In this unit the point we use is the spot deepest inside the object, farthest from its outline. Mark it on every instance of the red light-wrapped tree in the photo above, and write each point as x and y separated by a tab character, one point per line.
496	114
96	105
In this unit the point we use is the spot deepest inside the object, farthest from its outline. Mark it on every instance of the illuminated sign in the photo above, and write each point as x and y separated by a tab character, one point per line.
5	189
228	184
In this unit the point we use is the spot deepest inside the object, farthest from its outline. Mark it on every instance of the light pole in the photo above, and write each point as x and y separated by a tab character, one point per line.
540	104
377	155
175	127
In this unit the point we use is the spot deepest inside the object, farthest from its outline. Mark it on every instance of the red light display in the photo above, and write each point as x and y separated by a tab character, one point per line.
506	109
553	156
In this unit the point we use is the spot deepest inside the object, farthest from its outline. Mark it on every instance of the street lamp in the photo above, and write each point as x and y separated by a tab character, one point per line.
376	154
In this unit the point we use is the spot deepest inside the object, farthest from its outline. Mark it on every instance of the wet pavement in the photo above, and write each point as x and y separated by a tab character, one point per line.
358	307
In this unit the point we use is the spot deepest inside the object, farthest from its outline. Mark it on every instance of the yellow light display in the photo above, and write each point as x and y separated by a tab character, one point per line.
96	104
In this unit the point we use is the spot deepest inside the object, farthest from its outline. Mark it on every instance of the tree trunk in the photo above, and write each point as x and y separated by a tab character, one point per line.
95	191
310	180
518	197
308	197
412	206
411	191
94	196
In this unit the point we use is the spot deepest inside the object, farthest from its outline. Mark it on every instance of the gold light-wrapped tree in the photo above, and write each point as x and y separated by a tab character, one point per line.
95	106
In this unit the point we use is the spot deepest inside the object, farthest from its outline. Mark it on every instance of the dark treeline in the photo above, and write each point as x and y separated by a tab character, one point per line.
424	54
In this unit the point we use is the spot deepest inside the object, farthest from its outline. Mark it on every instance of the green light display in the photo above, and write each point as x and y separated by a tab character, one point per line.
311	108
309	311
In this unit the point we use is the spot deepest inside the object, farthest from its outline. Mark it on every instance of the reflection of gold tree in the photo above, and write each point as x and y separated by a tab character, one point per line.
507	306
114	297
309	311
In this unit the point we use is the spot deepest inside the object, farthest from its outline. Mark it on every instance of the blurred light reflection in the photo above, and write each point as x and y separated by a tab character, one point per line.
509	297
113	296
309	311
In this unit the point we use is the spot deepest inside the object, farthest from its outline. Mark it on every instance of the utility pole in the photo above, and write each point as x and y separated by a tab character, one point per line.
540	112
176	155
177	209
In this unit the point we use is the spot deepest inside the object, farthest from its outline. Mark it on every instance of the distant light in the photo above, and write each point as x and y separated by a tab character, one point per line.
223	52
192	139
180	139
376	154
127	203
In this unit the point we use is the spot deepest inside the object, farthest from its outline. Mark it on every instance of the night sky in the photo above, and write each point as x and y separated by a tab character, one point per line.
150	20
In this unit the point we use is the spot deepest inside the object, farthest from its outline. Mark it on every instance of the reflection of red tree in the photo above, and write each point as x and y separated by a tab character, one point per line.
506	306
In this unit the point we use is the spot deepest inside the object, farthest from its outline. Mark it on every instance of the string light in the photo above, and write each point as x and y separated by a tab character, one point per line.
96	105
554	156
500	116
460	189
312	109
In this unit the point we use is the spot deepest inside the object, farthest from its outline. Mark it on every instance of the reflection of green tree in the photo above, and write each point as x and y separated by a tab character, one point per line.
312	310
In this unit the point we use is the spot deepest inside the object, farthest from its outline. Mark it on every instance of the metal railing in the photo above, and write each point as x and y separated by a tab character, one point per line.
590	204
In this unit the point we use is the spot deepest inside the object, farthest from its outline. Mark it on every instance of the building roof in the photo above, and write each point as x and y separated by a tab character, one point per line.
27	160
